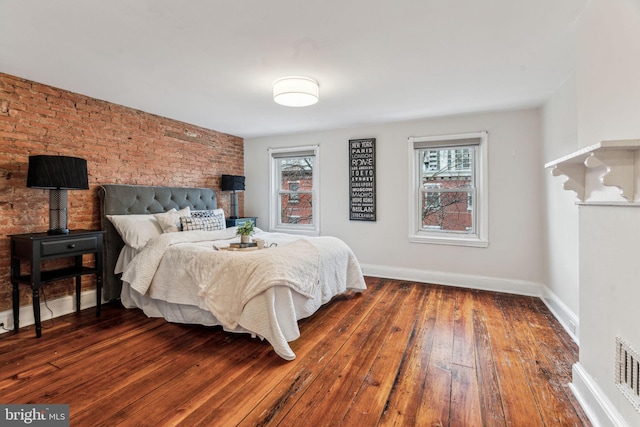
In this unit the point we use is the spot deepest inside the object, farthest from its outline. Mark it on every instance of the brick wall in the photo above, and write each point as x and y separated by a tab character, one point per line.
121	146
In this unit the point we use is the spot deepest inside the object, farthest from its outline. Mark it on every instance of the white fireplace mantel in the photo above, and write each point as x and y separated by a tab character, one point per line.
604	173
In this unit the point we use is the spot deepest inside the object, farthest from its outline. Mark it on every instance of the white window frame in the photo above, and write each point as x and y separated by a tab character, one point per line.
418	234
274	206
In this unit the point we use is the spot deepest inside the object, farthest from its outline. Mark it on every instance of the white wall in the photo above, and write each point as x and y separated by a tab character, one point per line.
607	92
610	292
560	137
513	261
608	66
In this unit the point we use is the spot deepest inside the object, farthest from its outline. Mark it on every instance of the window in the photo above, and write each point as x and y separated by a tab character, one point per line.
448	189
294	190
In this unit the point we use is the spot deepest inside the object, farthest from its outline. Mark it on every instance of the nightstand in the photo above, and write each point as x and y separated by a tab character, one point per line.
37	247
232	222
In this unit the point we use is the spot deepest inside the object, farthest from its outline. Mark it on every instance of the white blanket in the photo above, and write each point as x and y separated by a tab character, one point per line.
280	285
230	280
139	273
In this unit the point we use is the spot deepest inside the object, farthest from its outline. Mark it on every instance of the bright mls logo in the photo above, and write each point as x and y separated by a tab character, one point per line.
34	415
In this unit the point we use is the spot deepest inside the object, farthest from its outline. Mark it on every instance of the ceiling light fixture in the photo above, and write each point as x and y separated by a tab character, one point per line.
295	91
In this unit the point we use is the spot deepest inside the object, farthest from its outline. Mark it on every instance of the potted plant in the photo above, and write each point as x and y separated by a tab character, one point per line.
244	231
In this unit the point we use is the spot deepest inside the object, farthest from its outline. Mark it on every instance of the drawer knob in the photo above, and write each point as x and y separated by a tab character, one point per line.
71	245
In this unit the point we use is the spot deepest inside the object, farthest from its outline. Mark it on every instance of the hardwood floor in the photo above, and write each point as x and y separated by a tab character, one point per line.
402	353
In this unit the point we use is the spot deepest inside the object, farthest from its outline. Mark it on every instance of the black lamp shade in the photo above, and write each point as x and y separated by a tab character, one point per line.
57	172
232	183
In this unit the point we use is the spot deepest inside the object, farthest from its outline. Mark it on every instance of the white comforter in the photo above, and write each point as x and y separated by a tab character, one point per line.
263	292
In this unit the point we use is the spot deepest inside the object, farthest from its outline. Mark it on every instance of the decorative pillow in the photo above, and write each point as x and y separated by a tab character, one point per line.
211	223
214	213
170	221
136	230
207	213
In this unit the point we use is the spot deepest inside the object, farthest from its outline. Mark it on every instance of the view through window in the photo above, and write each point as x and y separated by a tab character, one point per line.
447	189
296	190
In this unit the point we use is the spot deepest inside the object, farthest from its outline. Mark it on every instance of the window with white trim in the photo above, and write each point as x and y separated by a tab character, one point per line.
448	201
294	190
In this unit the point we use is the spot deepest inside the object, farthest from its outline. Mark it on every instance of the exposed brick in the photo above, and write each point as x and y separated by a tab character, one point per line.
48	90
121	145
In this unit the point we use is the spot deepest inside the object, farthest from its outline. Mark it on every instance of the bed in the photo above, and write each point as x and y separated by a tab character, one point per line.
178	264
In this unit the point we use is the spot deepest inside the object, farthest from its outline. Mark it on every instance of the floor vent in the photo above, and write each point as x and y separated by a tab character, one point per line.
628	371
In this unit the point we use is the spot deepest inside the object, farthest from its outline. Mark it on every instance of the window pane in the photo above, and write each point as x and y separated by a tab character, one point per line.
296	185
444	171
447	211
449	167
296	212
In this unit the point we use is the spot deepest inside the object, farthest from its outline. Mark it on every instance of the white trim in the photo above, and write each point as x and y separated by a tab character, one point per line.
496	284
599	409
60	307
567	318
453	240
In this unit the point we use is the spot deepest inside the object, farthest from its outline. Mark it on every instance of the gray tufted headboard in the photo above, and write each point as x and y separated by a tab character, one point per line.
118	199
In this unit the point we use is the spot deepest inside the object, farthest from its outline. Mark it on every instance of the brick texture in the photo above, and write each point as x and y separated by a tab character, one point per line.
121	146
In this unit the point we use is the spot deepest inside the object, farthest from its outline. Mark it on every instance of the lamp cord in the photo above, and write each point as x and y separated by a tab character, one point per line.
44	297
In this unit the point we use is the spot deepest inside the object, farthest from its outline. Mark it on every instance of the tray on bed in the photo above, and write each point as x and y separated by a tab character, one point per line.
253	246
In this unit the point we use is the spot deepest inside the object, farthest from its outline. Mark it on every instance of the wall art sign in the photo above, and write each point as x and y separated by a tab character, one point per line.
362	179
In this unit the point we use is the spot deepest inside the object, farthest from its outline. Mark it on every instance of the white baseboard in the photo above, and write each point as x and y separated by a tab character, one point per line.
60	307
562	313
596	405
485	283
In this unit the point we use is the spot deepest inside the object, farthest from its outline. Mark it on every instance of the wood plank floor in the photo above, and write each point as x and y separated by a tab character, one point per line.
401	353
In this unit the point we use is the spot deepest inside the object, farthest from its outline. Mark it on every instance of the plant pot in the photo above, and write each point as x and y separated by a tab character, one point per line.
244	238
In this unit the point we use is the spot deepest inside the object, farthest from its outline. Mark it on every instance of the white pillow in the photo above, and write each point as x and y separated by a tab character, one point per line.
170	221
136	230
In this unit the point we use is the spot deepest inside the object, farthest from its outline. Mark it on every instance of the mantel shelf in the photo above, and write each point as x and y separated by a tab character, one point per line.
591	170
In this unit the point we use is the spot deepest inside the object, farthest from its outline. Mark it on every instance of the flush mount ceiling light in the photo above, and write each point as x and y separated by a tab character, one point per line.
295	91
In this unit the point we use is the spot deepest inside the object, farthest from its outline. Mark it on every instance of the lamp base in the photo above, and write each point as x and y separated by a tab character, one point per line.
234	205
58	211
58	231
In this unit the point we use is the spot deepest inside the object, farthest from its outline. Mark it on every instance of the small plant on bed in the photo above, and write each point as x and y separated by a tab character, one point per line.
244	231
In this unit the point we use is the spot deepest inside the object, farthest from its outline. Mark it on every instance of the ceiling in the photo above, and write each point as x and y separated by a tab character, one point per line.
211	63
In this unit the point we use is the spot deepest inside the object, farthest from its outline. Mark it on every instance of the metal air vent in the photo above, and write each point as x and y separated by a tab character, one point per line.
628	371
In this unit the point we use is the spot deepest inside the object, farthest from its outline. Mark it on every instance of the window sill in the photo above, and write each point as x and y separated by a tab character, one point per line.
304	231
439	239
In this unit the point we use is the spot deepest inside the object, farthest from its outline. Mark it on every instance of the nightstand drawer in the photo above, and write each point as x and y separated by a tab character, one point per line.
70	246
